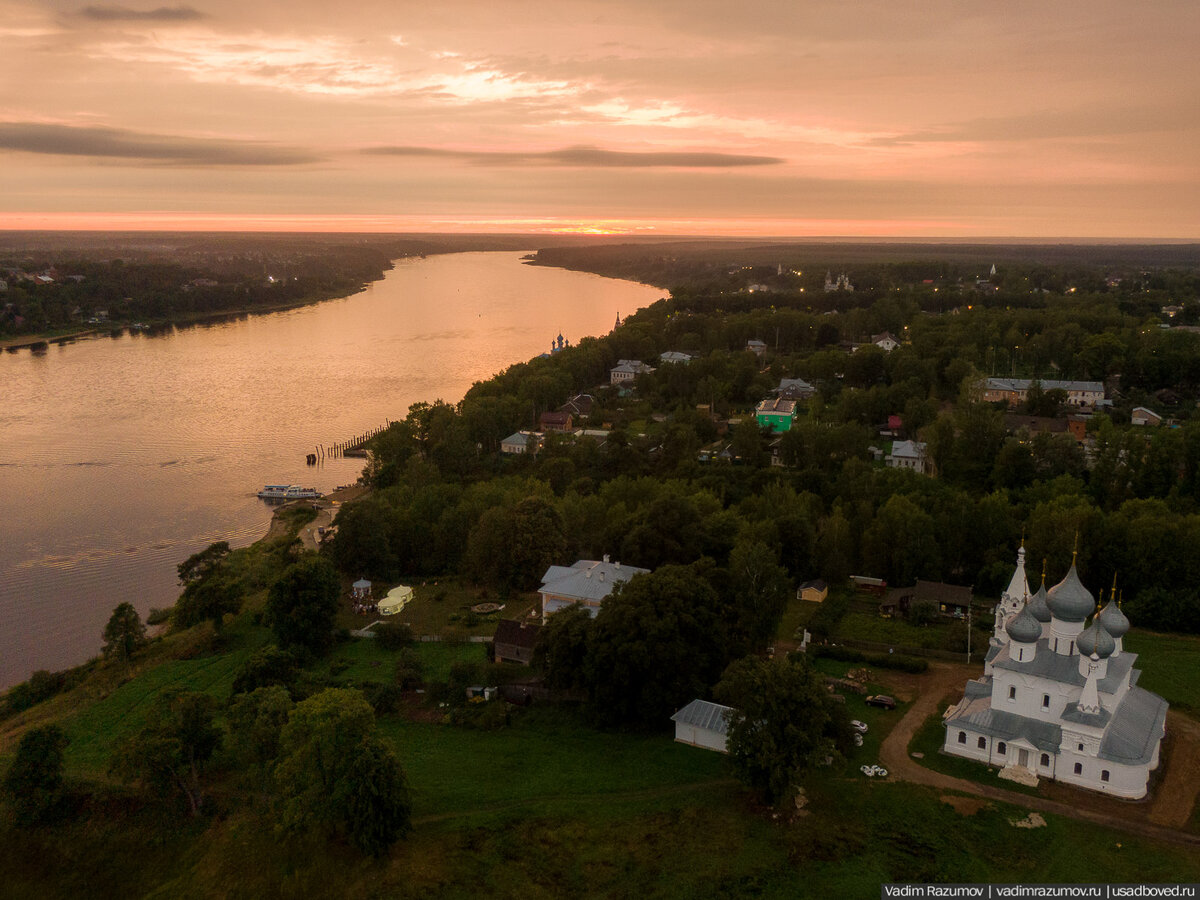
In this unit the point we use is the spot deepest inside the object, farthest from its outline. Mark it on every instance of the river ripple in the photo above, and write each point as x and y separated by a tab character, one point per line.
120	457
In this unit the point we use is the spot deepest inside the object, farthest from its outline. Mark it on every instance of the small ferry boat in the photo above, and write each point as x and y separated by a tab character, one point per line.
288	492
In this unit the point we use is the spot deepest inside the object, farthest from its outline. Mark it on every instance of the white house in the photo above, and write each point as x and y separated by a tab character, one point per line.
886	341
907	455
1059	698
627	369
756	347
674	356
586	583
703	724
521	442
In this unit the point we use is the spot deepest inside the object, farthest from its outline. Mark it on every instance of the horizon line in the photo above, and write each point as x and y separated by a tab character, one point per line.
641	229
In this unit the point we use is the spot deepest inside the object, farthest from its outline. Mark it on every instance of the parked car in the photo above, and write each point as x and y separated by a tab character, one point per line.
860	727
882	701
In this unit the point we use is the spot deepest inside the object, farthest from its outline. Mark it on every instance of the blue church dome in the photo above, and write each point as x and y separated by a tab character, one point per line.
1023	627
1096	641
1038	606
1114	620
1069	600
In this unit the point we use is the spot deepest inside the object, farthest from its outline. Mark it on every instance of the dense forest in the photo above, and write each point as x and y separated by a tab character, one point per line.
816	499
255	748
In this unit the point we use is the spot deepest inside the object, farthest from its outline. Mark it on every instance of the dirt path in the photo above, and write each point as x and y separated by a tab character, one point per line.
1175	795
1148	821
308	534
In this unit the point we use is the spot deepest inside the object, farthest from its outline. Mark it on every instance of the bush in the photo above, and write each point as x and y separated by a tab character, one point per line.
267	667
408	671
33	784
825	620
159	616
922	613
384	698
912	664
393	637
42	685
491	715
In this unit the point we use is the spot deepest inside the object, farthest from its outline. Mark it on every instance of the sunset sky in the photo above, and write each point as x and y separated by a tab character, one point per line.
938	118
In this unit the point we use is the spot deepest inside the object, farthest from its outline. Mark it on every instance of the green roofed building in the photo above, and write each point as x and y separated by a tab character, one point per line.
776	413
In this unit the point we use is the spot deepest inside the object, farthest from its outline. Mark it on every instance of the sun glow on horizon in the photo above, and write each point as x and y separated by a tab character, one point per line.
727	227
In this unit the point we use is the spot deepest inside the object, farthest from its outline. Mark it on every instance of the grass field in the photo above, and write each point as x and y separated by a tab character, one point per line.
1170	665
550	807
364	660
97	727
443	607
547	762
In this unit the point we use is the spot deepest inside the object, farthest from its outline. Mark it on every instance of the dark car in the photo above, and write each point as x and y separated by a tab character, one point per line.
882	701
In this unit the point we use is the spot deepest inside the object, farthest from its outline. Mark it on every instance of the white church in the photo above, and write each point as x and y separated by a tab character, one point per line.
1059	697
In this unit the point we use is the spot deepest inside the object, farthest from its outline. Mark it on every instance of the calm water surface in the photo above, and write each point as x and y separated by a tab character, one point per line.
120	457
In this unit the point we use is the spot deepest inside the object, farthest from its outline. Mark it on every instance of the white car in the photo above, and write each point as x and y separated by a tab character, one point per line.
860	727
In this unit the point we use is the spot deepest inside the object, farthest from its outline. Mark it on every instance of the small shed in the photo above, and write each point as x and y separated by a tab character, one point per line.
514	641
361	589
813	591
703	724
397	598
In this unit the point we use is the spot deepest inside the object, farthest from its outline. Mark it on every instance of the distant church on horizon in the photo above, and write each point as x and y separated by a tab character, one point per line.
1059	698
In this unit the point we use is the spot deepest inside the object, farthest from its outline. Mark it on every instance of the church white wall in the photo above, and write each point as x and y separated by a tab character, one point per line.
1128	782
1030	691
1123	781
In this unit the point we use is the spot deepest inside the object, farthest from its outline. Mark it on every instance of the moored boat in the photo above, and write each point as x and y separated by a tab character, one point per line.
288	492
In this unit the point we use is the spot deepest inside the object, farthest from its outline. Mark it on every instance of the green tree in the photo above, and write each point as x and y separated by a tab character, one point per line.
302	605
561	649
761	589
256	721
266	667
172	749
335	774
659	641
510	549
198	565
784	722
209	599
33	784
124	633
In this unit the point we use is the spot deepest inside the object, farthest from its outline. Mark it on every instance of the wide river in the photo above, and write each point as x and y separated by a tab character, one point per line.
122	456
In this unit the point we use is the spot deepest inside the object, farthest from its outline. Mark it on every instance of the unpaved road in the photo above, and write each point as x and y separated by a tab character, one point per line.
1161	819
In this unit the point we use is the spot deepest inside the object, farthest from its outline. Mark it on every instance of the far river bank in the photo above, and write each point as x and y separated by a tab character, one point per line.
120	457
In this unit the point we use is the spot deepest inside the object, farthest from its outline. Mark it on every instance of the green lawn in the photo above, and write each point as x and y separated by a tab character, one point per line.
795	615
865	627
1170	665
443	607
365	660
547	762
549	807
97	727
